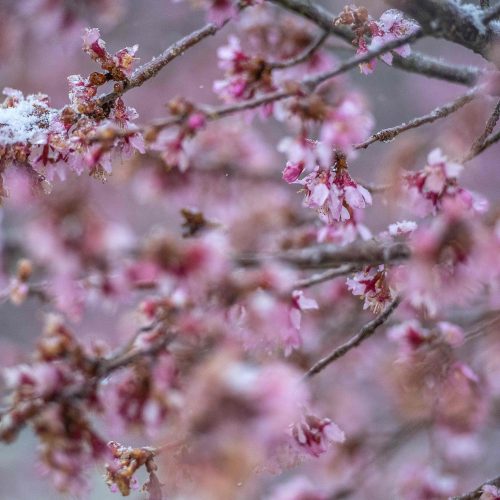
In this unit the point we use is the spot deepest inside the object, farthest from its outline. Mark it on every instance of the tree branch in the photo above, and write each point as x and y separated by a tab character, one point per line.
489	142
327	256
153	67
450	20
365	332
447	109
415	63
478	144
429	66
328	275
306	54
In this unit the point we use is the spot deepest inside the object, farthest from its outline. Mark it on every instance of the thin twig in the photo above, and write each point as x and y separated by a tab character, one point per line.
488	129
390	133
308	52
488	143
315	81
153	67
365	332
481	329
328	275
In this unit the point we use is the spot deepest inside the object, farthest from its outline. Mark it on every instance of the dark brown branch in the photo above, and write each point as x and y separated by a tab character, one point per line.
449	20
478	144
153	67
429	66
306	54
327	256
475	494
365	332
441	112
416	63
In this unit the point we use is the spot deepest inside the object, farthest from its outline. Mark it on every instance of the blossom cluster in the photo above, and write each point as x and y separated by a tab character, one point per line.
371	35
50	143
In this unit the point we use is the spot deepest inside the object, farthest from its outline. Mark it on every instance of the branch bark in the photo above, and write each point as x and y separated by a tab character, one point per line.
327	256
416	63
488	129
443	111
365	332
466	26
155	65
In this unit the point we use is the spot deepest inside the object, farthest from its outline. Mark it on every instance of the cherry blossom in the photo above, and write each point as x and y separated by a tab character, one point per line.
427	189
372	286
314	435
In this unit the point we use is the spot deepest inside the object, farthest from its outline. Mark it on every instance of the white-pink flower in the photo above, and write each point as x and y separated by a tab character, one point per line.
314	435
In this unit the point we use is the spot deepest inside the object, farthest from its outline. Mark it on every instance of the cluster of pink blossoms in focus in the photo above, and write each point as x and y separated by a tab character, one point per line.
391	26
330	191
51	140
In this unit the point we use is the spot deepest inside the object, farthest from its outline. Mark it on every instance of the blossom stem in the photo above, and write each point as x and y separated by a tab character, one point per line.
308	52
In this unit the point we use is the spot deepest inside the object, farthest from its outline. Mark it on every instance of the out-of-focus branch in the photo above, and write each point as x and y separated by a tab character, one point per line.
488	129
306	54
365	332
440	112
153	67
476	494
416	63
328	275
434	68
325	256
103	368
454	22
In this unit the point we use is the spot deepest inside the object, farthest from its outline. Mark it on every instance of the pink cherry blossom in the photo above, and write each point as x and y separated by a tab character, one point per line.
314	435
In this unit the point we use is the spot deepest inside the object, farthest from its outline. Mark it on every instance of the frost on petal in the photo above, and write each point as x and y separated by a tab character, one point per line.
404	227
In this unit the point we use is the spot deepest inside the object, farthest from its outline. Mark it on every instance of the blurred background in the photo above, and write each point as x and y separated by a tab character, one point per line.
40	45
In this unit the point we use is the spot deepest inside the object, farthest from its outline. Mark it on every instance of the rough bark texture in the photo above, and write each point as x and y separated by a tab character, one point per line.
452	21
